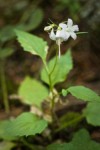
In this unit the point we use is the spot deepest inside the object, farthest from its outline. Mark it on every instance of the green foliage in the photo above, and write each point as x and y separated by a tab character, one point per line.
83	93
71	119
6	52
3	131
32	92
73	6
31	21
5	145
62	68
92	113
7	33
32	44
80	141
64	92
26	124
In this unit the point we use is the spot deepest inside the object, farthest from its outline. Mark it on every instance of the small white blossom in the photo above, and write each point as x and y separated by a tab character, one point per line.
63	32
48	28
60	33
71	29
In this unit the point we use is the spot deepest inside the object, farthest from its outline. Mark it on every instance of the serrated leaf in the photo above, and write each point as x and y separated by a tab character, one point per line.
6	52
83	93
92	113
63	67
32	43
26	124
32	91
80	141
6	145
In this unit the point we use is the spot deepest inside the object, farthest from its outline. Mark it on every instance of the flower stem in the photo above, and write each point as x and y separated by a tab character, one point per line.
4	87
59	51
51	86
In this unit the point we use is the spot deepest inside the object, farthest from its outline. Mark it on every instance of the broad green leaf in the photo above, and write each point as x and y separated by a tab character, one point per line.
6	52
92	113
32	91
26	124
83	93
80	141
32	43
6	145
63	67
3	133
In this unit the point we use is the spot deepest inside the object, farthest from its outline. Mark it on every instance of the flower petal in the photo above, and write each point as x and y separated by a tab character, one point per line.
70	22
75	28
61	34
68	35
63	26
47	28
52	35
73	35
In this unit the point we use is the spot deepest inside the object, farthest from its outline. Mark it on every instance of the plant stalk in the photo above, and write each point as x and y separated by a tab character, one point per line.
4	87
51	88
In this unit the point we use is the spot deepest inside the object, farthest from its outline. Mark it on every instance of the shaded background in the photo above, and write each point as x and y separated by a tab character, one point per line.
32	16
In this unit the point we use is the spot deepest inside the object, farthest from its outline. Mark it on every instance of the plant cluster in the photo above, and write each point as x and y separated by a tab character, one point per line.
33	92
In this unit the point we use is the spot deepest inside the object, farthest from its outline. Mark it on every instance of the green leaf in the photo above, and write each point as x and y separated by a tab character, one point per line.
6	52
28	23
63	67
64	92
32	92
80	141
71	119
26	124
32	43
6	145
36	15
7	33
92	113
83	93
3	133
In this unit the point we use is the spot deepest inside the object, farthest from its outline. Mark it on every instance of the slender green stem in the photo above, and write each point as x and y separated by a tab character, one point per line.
4	87
49	76
59	49
70	123
51	86
54	64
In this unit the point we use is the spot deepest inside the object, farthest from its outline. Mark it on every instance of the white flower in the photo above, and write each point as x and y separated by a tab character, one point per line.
60	35
63	32
48	28
71	29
